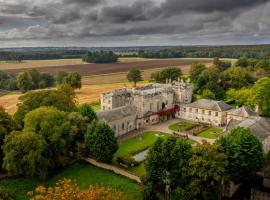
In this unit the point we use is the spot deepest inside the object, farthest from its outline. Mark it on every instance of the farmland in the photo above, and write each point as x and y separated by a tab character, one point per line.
94	69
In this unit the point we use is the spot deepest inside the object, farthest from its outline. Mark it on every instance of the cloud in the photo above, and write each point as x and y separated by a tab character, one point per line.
155	21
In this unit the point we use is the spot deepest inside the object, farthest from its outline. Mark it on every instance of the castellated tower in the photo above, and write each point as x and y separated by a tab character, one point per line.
183	92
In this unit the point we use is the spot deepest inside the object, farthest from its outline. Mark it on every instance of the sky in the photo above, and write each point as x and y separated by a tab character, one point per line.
133	22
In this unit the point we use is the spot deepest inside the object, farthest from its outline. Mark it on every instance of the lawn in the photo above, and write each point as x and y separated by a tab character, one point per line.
84	174
95	106
181	126
211	133
135	145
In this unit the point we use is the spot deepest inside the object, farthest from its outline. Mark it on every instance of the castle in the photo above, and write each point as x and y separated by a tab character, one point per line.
126	110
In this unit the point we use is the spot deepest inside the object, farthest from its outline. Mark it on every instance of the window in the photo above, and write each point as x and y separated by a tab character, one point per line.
203	112
197	110
123	126
190	109
209	113
184	109
216	114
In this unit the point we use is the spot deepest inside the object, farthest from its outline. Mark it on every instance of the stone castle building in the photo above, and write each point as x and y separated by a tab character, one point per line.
130	109
125	110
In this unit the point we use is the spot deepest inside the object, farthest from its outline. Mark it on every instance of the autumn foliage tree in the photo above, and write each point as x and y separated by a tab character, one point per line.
68	189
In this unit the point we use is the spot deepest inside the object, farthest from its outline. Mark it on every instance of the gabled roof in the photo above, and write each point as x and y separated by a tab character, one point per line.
116	114
242	112
208	104
260	126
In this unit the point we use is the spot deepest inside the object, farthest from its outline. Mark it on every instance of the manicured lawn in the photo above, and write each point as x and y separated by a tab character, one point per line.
135	144
138	170
181	126
84	174
211	133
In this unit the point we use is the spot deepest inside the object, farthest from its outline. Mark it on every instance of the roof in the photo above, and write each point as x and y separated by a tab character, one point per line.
116	114
242	112
208	104
260	126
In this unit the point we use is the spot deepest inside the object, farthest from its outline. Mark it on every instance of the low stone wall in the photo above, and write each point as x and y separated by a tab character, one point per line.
114	169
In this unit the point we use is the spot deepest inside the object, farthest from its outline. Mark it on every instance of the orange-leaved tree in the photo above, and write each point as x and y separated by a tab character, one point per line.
69	190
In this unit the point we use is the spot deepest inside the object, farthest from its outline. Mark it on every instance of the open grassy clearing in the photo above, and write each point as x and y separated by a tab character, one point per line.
211	133
84	174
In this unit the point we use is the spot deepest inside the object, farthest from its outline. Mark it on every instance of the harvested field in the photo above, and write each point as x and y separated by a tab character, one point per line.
87	94
94	69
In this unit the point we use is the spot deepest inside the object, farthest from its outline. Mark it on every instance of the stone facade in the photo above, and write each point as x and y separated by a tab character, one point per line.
205	111
150	104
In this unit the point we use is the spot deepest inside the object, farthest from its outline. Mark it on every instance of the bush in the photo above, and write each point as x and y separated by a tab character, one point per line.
128	161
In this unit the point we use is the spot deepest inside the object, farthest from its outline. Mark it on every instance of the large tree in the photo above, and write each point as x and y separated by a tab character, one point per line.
27	153
207	168
55	127
244	153
195	71
74	80
6	126
86	110
100	141
134	76
25	81
168	160
63	99
261	96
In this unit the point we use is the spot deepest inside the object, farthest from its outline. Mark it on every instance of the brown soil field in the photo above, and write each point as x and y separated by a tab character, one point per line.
94	69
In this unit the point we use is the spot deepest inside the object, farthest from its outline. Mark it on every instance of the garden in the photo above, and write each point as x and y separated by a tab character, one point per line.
182	126
132	152
210	133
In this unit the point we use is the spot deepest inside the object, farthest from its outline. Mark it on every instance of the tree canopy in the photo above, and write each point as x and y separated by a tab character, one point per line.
170	74
244	153
134	76
100	141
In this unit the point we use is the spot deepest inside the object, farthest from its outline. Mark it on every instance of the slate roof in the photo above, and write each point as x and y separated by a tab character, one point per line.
208	104
260	126
116	114
242	112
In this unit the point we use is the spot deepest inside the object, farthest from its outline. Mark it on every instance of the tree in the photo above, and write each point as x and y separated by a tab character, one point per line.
74	80
244	153
68	189
208	94
6	126
86	110
168	159
60	77
264	64
24	81
242	62
135	76
207	168
195	71
100	57
54	126
27	153
241	96
171	74
222	65
63	99
236	77
100	142
261	96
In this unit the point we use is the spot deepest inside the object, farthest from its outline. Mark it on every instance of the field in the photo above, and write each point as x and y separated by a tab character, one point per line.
94	69
87	94
84	174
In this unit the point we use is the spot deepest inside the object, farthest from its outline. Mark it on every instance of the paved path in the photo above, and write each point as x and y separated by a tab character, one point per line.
114	169
164	127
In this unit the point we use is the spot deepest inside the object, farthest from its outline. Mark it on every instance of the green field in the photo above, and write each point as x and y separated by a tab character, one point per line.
83	173
181	126
211	133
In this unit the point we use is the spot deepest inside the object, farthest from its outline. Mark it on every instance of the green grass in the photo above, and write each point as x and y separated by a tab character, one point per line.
95	106
138	170
207	133
84	174
184	126
132	145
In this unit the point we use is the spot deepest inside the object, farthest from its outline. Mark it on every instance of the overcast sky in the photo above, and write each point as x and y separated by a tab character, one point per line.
133	22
